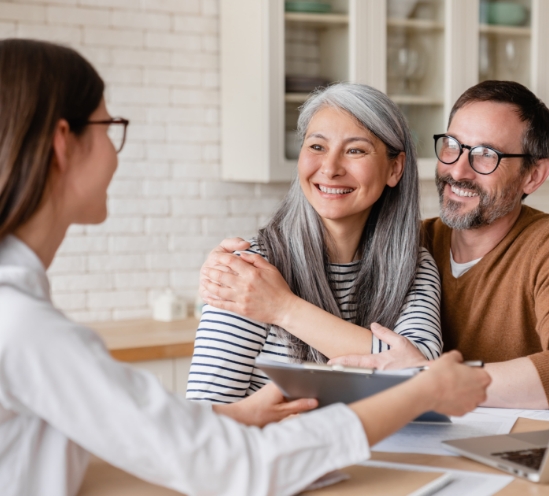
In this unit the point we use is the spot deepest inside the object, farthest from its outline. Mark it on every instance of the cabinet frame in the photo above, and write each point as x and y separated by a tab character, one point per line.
253	78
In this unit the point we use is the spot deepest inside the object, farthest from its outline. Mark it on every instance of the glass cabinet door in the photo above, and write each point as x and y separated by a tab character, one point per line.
505	41
415	67
316	38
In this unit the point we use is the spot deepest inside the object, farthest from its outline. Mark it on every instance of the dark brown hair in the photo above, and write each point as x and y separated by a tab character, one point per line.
40	83
530	109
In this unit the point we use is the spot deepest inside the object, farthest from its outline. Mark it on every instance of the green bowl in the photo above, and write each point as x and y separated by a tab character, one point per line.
307	7
506	13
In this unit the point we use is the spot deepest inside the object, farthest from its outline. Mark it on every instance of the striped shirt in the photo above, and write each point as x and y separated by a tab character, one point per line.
227	344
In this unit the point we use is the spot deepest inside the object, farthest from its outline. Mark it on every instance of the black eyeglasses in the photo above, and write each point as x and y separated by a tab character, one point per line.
116	131
482	159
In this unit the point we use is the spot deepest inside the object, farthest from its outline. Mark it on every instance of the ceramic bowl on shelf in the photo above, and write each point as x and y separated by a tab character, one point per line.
304	6
506	14
400	9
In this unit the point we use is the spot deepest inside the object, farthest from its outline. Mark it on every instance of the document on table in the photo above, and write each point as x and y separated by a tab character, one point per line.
513	412
426	438
463	481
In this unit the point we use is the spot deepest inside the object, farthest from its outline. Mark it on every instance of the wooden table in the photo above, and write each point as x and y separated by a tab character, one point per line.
104	480
147	339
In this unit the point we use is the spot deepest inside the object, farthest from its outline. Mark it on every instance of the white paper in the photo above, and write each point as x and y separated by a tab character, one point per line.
464	482
515	412
427	438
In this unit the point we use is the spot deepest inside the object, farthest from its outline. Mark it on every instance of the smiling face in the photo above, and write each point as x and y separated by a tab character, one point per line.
343	168
469	200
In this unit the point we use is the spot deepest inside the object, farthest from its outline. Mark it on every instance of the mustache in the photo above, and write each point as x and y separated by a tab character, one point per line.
447	179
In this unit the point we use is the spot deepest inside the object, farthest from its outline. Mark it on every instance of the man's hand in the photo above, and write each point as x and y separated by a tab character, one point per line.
265	406
402	353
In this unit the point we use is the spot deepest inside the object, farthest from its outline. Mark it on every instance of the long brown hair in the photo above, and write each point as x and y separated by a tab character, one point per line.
40	83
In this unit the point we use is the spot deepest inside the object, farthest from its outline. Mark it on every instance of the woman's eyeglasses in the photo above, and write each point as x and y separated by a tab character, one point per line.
482	159
116	131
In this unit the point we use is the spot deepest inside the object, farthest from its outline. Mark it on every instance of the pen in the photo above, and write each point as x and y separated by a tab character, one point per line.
469	363
434	486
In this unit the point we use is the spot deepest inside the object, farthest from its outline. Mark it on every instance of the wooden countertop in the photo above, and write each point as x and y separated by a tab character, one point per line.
103	479
147	339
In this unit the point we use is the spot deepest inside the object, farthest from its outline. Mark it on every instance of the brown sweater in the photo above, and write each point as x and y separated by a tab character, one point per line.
499	309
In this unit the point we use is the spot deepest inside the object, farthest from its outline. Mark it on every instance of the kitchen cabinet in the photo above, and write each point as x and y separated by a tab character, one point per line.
173	373
422	53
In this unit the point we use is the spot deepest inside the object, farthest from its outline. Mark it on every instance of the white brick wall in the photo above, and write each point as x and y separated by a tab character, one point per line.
168	208
160	61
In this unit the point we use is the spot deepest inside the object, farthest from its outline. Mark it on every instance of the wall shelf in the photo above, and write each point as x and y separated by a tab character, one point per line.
317	20
505	30
415	24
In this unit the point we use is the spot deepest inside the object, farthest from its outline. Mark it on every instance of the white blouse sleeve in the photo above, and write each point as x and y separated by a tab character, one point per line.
61	372
419	320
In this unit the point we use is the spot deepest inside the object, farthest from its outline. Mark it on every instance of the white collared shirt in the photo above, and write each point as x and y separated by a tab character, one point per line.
62	396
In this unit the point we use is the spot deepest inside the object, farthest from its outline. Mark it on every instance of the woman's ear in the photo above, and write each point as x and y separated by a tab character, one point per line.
62	146
396	169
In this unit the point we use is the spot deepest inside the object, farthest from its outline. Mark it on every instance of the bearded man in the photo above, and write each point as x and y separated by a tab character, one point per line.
491	250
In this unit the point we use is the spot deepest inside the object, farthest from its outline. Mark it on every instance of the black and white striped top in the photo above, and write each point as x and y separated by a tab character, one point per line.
227	344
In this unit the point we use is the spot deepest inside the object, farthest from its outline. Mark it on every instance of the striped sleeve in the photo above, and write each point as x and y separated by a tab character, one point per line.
419	320
225	348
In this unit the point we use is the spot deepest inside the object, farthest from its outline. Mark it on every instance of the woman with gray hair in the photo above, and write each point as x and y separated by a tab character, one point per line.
343	245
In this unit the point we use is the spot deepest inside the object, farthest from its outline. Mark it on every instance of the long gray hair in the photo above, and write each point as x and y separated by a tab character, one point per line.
296	241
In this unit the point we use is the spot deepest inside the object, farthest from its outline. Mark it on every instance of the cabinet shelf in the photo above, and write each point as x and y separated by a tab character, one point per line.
317	20
416	100
505	30
296	97
415	24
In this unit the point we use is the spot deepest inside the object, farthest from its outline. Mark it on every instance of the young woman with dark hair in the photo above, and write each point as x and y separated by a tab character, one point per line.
62	396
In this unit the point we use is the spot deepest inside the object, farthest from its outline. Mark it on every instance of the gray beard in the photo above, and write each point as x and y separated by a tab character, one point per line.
489	208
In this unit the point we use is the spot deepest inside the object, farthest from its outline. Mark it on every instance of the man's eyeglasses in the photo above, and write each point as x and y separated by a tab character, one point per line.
482	159
116	131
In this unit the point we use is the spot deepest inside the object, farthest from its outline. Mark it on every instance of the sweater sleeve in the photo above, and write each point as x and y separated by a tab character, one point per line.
540	295
420	317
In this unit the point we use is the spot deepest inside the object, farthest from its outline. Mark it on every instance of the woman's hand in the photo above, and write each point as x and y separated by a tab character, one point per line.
247	285
454	388
402	353
447	387
264	407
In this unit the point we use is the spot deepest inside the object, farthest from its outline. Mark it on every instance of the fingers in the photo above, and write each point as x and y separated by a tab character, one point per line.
234	262
229	245
298	406
217	291
219	276
364	361
256	260
386	335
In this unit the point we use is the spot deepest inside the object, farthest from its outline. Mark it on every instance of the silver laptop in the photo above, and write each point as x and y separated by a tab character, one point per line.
524	455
